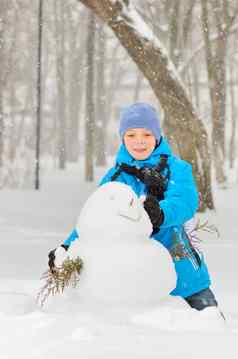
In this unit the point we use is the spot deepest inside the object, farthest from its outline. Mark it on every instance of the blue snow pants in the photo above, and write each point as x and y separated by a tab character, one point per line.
190	266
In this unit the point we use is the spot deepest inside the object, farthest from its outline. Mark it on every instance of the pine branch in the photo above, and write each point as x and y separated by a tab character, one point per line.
57	280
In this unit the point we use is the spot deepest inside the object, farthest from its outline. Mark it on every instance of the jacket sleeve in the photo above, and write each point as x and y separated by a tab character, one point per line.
108	176
72	237
181	199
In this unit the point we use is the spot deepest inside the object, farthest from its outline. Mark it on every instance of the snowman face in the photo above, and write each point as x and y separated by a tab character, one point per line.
124	202
114	208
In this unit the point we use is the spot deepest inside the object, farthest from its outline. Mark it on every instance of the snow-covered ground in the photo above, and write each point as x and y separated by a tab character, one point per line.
32	223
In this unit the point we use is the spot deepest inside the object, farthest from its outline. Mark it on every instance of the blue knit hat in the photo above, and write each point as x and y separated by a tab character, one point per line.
140	115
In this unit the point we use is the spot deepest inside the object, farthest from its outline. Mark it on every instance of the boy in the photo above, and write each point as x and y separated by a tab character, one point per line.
146	163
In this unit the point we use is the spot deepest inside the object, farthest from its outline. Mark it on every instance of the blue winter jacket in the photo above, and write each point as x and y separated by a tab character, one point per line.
180	198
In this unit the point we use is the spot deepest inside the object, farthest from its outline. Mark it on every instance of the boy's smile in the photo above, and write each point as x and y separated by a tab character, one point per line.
139	142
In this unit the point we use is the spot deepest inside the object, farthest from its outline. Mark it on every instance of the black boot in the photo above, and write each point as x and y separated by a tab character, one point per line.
201	300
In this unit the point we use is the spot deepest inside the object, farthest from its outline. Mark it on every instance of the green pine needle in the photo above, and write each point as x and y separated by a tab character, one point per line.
60	278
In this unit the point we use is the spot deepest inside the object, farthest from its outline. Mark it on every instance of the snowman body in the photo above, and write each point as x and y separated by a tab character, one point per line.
122	264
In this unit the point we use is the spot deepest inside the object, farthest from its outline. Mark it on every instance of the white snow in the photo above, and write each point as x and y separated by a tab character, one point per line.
32	223
122	265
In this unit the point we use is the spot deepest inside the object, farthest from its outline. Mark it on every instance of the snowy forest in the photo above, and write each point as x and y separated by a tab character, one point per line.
67	69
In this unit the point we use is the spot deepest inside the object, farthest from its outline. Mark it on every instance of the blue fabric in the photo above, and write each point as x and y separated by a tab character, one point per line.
72	237
140	115
192	275
179	205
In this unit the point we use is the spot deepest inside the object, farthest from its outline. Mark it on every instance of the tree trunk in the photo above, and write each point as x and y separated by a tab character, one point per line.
100	130
1	133
215	59
138	86
60	63
196	87
76	97
174	49
232	146
116	76
90	111
2	54
174	55
76	86
152	59
38	97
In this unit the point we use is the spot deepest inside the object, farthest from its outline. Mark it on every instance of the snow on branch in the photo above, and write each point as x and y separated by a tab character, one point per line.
133	19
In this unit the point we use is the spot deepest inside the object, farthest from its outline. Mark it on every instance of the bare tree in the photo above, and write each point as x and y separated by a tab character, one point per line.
2	54
100	118
60	64
232	144
90	109
76	79
216	69
138	86
38	94
153	61
116	75
179	23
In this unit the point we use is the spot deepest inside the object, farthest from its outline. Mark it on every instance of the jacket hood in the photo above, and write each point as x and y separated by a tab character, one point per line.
123	155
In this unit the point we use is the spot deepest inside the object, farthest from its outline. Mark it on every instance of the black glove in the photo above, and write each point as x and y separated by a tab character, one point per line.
57	256
132	170
153	180
152	207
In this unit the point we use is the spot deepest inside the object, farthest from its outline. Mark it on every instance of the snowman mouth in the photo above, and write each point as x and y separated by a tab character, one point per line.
131	218
133	214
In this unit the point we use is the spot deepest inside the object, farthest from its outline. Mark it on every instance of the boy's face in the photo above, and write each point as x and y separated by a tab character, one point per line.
139	142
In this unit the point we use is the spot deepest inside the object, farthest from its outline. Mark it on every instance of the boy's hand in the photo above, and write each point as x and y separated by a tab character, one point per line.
57	256
152	207
154	181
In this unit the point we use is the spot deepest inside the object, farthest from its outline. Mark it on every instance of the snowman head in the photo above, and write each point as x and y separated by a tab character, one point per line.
114	209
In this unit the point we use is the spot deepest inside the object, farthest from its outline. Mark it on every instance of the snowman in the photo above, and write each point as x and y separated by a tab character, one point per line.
123	266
